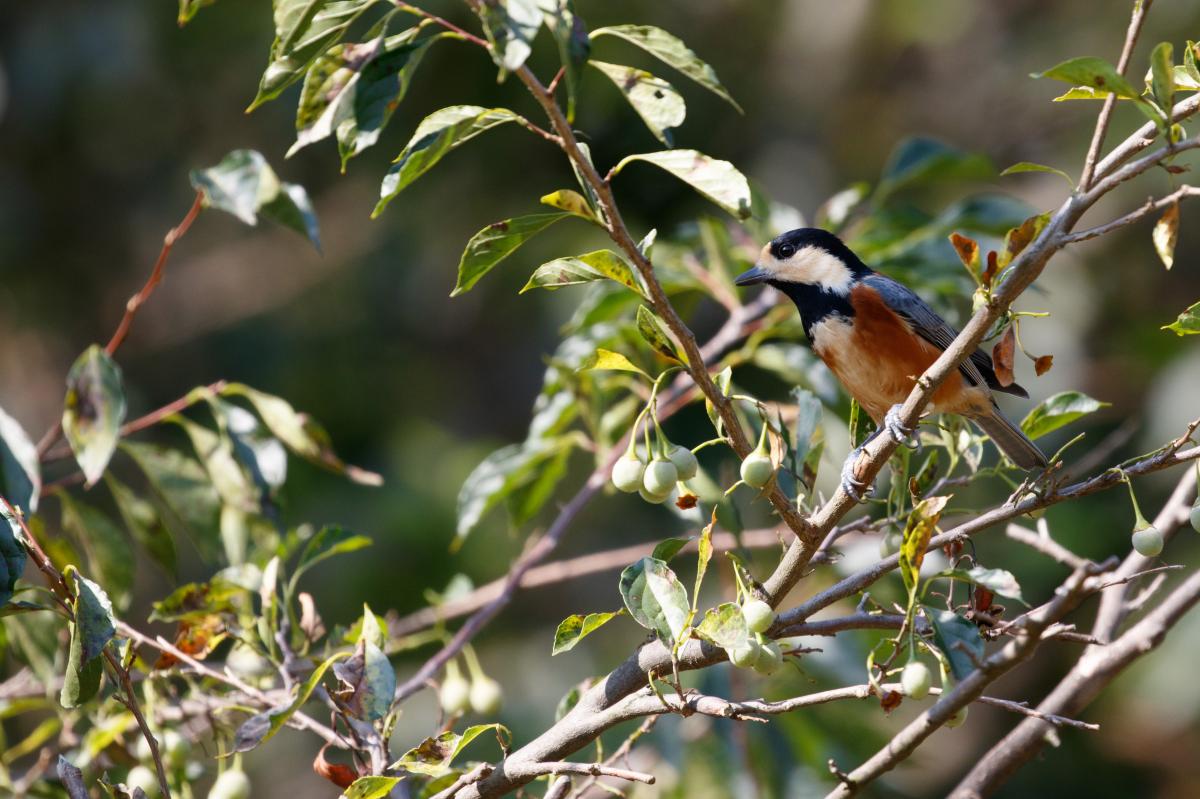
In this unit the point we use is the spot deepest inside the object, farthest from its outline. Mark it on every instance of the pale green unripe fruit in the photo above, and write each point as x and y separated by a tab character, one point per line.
654	499
770	660
455	694
231	785
1148	541
958	718
173	747
916	679
627	473
486	696
757	470
246	663
685	461
1194	516
746	655
759	615
889	544
660	477
144	778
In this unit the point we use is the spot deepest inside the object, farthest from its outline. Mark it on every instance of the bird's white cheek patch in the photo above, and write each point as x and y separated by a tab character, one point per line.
817	267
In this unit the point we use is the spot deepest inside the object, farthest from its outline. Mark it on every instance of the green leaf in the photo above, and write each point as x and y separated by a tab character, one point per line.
110	557
1029	166
572	202
498	476
180	481
496	242
917	532
1188	323
654	334
1162	75
919	160
19	465
808	416
668	548
215	450
1059	410
262	727
717	180
144	524
434	755
371	787
672	51
93	628
704	553
300	433
953	633
511	29
81	681
196	600
572	271
1165	234
574	46
243	184
188	9
576	627
329	541
998	581
303	30
655	101
607	359
655	598
724	382
93	410
437	135
12	555
368	679
1084	93
1095	73
724	625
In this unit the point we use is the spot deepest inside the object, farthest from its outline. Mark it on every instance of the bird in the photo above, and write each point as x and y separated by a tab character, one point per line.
877	337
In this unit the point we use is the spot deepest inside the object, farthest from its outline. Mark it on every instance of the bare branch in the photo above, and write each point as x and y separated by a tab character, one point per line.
1043	543
1150	207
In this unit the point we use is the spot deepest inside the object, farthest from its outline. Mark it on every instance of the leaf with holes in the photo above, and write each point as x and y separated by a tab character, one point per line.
671	50
1059	410
958	639
93	410
576	627
654	100
591	266
917	532
434	755
496	242
655	598
719	181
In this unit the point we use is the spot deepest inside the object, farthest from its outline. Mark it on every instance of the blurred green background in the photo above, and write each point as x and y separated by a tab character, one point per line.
104	107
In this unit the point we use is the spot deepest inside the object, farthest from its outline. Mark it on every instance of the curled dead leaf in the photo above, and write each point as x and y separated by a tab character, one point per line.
340	775
1042	364
890	700
993	266
1166	233
1002	356
686	501
968	252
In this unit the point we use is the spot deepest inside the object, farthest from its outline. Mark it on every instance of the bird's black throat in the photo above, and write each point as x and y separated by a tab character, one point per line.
815	303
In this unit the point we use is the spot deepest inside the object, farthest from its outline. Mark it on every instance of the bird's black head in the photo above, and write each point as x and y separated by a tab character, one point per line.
807	257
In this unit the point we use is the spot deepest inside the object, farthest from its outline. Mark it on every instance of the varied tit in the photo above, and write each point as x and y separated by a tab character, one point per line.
877	336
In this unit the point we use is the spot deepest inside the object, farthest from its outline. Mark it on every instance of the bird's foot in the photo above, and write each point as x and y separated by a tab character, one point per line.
853	487
897	430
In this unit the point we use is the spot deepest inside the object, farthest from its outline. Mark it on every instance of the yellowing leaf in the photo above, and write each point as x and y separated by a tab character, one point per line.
1188	323
1166	233
607	359
917	532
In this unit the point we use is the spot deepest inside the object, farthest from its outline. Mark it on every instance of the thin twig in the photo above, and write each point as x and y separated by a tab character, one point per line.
1148	208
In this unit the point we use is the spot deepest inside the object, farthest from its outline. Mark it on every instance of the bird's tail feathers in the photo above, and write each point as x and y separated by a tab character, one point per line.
1010	440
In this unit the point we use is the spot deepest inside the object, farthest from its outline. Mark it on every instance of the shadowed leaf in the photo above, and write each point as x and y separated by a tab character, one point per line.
93	410
19	466
1002	356
496	242
576	627
954	634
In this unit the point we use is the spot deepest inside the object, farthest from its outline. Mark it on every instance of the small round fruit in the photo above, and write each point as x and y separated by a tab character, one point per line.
1148	541
684	460
916	679
746	655
1194	516
232	784
757	470
627	473
759	615
889	544
455	694
660	477
486	696
144	778
173	747
654	499
246	663
771	659
958	718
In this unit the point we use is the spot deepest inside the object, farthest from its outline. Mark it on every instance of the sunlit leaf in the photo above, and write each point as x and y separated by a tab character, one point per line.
1092	72
672	51
719	181
367	678
496	242
434	755
1166	233
195	601
655	101
574	46
371	787
724	625
94	626
654	334
655	598
570	201
1188	323
998	581
607	359
262	727
93	410
1059	410
511	27
437	135
576	627
19	466
572	271
958	639
1029	166
245	185
922	521
1162	75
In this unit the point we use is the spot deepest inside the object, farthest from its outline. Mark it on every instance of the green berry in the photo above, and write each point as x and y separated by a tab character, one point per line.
757	470
144	778
684	460
1194	516
654	499
627	473
232	784
1148	541
889	544
486	696
916	679
661	476
455	694
771	659
745	655
759	615
958	718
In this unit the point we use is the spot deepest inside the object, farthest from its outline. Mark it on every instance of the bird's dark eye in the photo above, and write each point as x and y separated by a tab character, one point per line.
786	251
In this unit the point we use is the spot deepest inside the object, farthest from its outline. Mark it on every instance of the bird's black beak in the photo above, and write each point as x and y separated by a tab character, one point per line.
752	276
